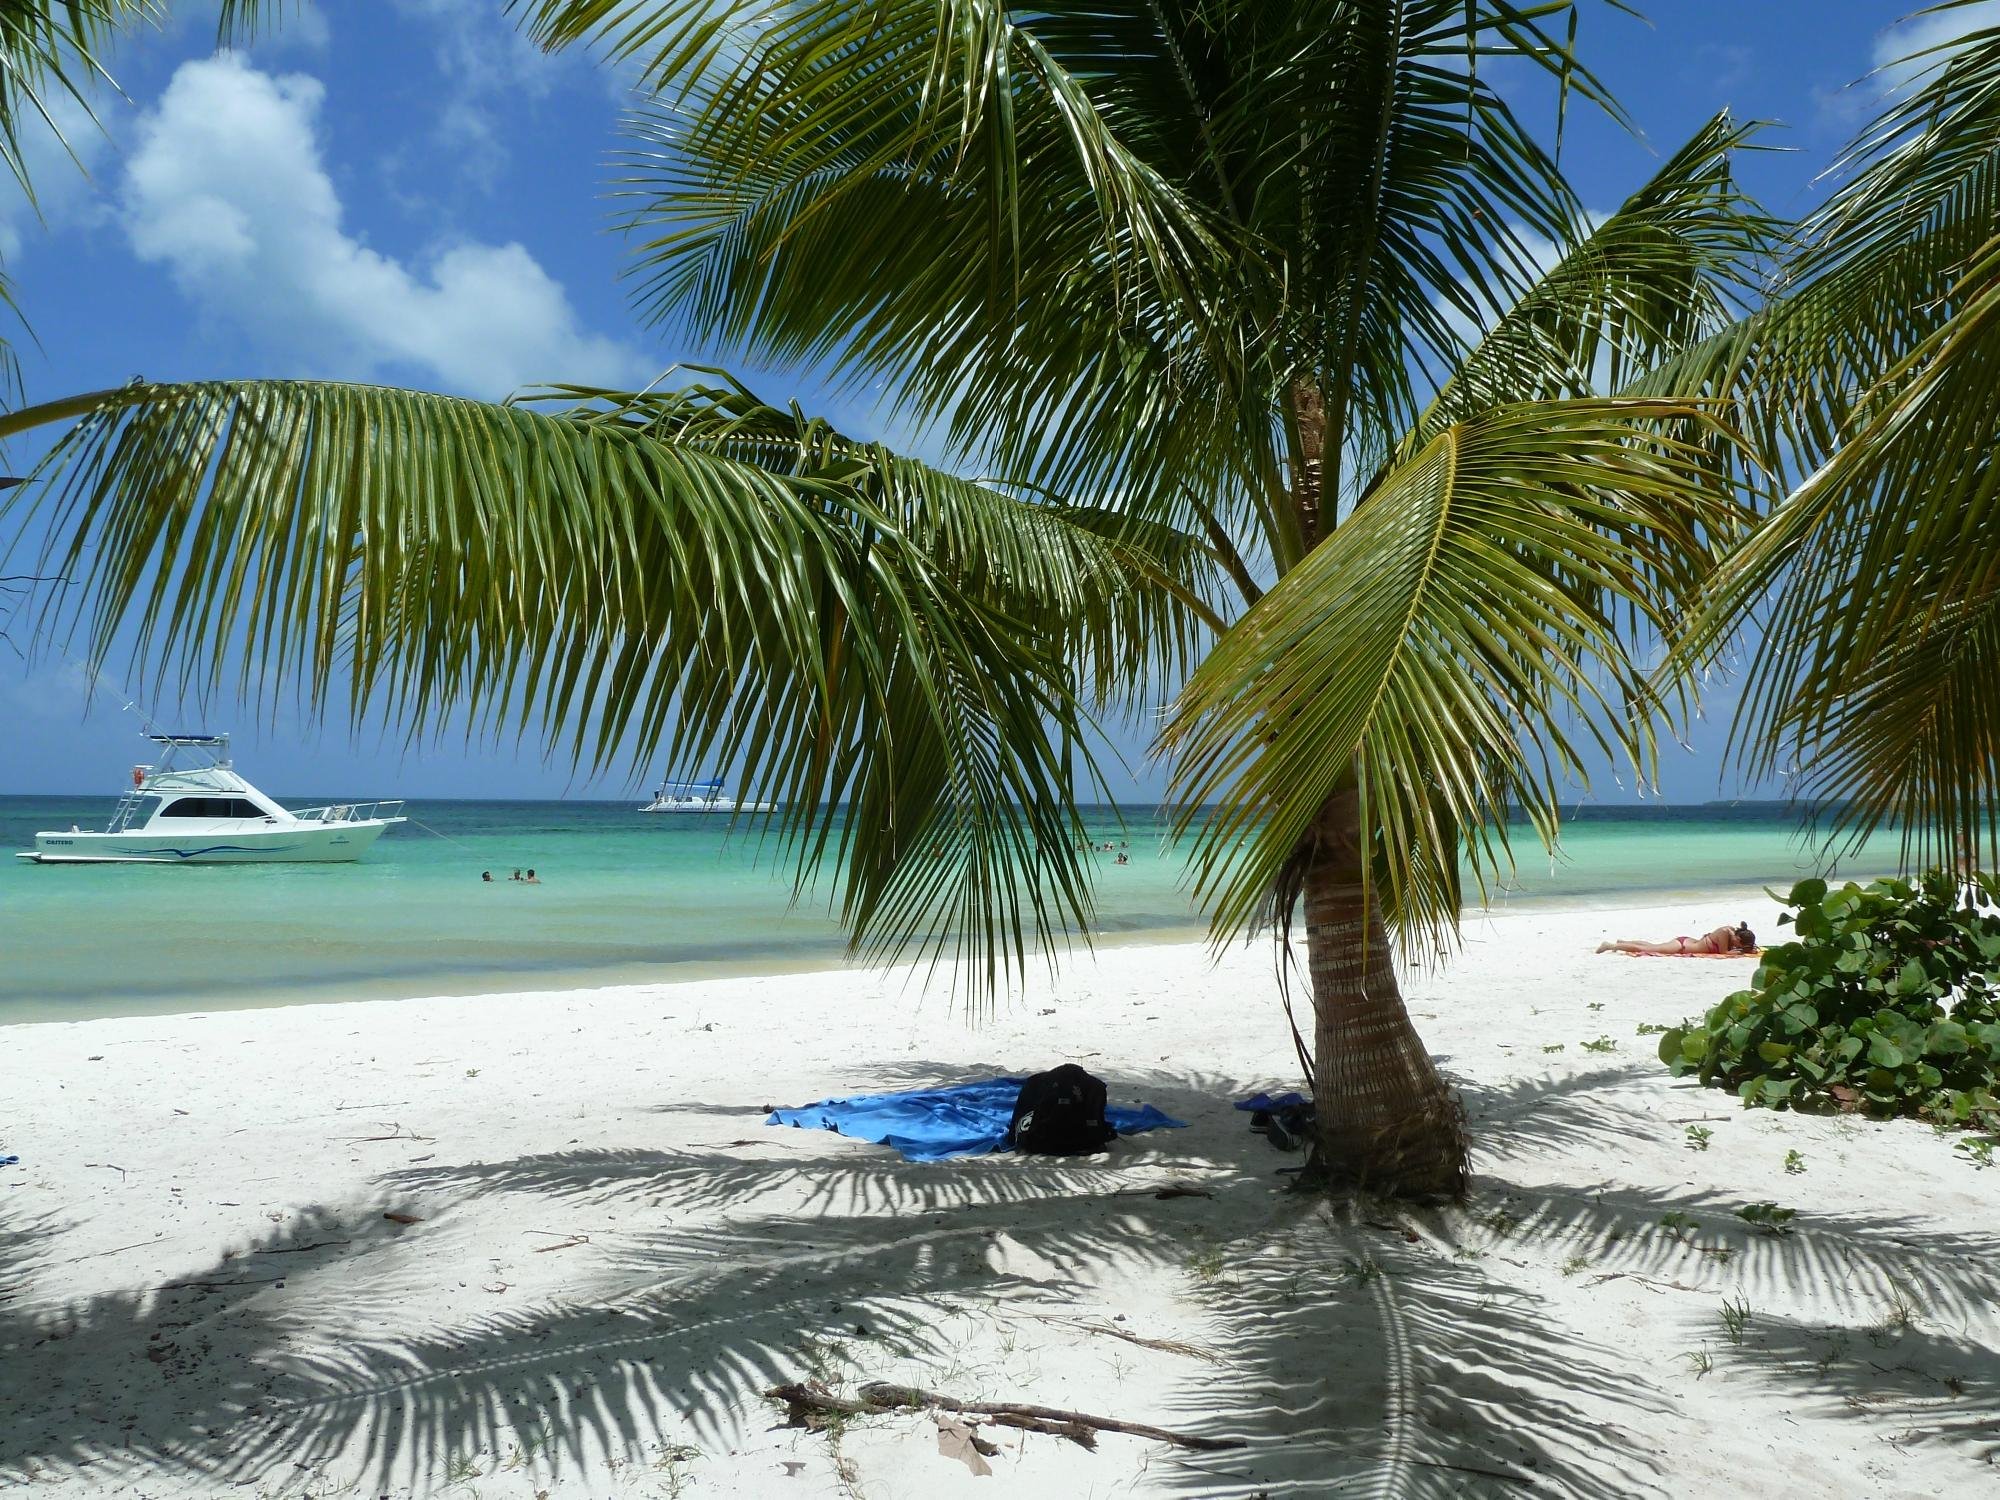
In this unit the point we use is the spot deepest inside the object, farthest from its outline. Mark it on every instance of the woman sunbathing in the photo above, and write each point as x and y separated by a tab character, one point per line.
1720	943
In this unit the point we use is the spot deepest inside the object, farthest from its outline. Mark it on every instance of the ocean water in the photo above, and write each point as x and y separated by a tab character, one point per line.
628	897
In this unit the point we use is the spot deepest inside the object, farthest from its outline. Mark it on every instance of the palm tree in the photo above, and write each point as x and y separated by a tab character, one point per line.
1239	301
1868	384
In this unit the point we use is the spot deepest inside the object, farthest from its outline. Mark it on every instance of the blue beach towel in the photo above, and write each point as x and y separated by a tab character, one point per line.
967	1119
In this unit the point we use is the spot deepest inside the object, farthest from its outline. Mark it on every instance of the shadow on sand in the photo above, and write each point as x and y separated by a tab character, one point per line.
1359	1349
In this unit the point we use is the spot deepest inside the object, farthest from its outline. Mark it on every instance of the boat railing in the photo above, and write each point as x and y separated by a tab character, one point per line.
349	812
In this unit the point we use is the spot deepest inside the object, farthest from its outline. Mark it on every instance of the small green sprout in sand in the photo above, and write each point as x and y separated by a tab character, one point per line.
1768	1217
1794	1163
459	1467
1602	1044
1701	1360
1555	1047
1205	1265
1899	1317
1978	1151
1734	1316
1647	1028
1575	1264
1698	1137
1360	1269
1681	1226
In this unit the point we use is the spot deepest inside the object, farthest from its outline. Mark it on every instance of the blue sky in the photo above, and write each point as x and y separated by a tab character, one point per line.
405	191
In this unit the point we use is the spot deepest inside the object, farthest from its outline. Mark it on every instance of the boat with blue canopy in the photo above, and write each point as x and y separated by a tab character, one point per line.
700	797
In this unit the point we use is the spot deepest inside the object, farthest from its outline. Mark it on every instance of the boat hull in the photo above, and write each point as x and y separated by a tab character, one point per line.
299	844
701	809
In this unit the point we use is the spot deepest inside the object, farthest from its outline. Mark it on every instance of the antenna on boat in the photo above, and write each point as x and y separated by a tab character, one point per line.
215	746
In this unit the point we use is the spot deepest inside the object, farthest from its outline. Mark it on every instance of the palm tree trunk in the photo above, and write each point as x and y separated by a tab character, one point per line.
1386	1121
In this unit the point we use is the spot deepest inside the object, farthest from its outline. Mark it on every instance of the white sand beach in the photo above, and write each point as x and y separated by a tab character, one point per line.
612	1257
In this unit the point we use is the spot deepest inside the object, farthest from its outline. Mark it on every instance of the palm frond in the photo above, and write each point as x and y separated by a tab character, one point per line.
1873	680
51	51
1679	262
1869	379
1124	600
1102	241
619	576
1453	648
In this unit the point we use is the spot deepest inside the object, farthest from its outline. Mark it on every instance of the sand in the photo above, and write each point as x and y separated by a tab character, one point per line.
612	1257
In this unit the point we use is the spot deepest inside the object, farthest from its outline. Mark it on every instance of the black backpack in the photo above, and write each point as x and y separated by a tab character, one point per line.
1060	1113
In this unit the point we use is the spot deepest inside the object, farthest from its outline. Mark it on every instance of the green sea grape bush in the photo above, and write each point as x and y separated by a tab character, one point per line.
1887	1002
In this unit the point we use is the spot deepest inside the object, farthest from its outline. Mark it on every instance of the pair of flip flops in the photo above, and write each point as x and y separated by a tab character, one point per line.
1285	1120
1287	1124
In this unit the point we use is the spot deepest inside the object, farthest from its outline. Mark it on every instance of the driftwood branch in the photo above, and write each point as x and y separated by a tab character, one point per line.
804	1402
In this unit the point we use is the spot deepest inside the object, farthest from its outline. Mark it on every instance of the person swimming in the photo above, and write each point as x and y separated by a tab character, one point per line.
1719	943
487	876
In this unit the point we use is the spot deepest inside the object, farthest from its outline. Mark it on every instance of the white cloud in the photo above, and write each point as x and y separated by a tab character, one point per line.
59	166
226	187
486	67
1898	50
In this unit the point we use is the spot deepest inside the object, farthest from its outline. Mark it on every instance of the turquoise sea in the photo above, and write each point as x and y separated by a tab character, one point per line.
628	897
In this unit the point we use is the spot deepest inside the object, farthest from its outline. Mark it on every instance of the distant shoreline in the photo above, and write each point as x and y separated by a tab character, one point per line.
769	964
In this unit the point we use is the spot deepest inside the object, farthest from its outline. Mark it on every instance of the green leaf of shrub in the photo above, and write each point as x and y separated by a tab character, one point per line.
1947	1038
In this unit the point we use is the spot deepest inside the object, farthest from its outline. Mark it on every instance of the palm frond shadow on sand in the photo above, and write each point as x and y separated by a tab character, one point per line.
1353	1358
1551	1113
206	1347
1919	1383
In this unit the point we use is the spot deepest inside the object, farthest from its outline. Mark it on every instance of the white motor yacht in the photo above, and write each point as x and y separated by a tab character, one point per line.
209	815
700	797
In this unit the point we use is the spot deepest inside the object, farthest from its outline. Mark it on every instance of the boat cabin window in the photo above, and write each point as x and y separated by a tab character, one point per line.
213	807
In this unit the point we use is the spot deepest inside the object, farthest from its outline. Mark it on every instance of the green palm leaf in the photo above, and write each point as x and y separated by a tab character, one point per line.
613	576
1104	242
1869	382
1677	263
1874	678
1125	600
1452	648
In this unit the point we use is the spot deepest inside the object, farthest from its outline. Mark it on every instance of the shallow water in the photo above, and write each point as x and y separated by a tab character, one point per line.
630	897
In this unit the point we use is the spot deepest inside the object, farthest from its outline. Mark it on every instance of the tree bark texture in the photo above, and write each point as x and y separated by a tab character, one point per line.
1386	1121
